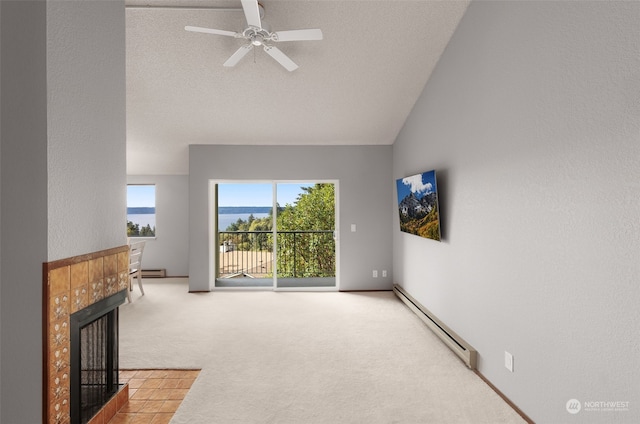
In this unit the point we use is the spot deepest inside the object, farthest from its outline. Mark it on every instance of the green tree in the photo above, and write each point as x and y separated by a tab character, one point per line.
260	241
147	231
302	251
133	230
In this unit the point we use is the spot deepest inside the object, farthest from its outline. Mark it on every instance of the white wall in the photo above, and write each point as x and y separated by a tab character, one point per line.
63	166
365	186
532	121
24	207
86	126
0	209
170	248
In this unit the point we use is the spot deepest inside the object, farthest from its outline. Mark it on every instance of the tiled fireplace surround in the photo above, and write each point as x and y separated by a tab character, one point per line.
71	285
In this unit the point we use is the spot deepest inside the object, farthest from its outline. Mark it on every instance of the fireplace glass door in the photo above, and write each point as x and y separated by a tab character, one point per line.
98	368
94	358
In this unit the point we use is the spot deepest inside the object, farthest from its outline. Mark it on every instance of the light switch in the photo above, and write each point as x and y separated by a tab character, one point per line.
508	361
353	228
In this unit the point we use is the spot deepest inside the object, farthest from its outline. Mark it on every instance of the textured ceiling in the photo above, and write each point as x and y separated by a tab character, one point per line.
357	86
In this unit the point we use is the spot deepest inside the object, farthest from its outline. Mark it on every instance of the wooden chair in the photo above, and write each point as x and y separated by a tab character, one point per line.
136	248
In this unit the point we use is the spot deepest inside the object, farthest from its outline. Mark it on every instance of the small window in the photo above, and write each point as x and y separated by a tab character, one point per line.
141	210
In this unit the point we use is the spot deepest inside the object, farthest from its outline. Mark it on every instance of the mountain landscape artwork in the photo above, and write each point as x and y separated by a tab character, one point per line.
418	205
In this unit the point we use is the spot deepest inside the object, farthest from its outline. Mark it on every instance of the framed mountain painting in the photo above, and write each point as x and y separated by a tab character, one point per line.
418	205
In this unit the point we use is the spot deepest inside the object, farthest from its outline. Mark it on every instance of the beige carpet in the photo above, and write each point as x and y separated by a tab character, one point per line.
287	357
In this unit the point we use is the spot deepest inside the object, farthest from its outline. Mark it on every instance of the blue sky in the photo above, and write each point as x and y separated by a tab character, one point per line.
258	194
235	194
419	184
139	196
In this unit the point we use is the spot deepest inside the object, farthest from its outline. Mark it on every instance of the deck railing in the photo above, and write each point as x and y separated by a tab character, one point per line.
301	254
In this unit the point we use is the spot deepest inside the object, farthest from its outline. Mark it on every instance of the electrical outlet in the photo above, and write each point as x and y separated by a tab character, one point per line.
375	273
508	361
384	272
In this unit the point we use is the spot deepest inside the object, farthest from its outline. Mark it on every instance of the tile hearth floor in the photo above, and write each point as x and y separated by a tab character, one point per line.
154	395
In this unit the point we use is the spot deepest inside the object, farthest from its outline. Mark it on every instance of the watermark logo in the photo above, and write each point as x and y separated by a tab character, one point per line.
573	406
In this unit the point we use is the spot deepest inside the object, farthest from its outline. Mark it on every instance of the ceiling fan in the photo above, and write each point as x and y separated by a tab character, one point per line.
258	34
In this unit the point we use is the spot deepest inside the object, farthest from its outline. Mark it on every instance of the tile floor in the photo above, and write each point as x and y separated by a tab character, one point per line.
154	395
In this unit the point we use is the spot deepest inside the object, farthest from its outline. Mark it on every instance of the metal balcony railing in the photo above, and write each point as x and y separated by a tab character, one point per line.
300	254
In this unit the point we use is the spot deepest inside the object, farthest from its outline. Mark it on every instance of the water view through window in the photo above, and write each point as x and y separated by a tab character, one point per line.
141	210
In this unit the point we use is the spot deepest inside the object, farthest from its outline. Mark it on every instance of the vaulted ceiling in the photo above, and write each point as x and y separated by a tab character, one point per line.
355	87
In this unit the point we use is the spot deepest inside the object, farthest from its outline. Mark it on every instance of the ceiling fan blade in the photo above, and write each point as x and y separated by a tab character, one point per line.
239	54
299	35
211	31
252	12
282	58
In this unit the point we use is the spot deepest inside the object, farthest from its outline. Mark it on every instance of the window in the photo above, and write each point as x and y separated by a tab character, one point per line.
141	210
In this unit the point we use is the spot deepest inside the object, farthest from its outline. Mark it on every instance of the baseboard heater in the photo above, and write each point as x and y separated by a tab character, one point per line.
448	336
154	273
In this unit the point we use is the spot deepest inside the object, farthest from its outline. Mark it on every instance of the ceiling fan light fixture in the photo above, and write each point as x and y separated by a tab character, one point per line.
258	33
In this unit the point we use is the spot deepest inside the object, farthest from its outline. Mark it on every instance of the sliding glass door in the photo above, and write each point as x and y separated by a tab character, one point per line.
274	235
244	235
305	235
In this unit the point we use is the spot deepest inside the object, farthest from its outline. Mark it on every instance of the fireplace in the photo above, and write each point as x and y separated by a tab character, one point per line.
94	357
81	297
